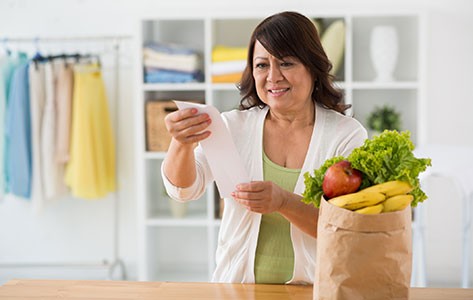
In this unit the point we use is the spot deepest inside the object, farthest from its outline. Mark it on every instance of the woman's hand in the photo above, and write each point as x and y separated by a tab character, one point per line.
261	196
267	197
186	126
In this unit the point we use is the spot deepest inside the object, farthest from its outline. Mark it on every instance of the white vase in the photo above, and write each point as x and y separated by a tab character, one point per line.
384	49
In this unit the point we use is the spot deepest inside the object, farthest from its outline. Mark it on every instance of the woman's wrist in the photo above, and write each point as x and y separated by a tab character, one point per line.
287	200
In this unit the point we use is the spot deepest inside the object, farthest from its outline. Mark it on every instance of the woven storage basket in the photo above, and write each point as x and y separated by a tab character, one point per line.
157	137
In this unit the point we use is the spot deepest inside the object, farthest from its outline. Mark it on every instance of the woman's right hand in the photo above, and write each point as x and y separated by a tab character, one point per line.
187	127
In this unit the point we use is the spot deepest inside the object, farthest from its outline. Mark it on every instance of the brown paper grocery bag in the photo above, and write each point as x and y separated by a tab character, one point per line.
362	256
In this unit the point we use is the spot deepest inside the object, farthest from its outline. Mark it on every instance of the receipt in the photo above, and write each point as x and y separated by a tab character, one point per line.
219	149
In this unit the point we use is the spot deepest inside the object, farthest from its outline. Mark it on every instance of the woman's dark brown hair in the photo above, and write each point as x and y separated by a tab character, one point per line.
292	34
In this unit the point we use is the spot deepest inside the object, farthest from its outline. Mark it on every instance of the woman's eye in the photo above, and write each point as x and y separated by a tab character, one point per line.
260	65
286	64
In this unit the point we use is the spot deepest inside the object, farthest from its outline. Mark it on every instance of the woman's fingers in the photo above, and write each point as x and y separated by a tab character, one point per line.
259	196
182	119
253	186
186	126
190	130
251	196
196	137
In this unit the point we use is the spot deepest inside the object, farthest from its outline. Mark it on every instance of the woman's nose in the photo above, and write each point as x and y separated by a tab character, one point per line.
274	74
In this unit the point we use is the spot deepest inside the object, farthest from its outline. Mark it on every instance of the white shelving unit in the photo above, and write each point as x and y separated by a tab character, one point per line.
184	249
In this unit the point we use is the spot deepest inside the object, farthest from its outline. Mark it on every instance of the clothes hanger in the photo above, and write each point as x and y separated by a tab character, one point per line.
5	47
38	56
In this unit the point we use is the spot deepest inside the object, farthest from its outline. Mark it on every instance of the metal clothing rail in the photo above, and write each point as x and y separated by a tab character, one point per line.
117	266
67	38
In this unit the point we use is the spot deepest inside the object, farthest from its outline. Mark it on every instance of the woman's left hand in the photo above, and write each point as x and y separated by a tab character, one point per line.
267	197
261	196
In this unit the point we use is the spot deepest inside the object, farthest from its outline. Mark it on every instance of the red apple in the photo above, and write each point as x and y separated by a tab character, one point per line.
340	179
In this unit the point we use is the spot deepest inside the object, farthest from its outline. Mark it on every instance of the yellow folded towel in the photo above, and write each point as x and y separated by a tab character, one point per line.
227	67
225	53
227	78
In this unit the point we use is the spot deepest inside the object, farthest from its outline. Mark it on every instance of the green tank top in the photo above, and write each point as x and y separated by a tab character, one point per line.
274	260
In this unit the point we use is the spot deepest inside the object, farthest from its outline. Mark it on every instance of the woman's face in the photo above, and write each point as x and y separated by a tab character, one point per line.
284	85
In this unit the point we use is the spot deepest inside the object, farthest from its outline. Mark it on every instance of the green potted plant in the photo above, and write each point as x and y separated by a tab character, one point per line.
384	118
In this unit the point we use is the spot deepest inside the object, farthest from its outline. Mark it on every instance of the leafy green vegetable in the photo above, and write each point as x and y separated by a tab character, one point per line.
313	184
387	156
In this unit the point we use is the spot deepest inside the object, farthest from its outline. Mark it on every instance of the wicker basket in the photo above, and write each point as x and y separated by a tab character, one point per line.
157	136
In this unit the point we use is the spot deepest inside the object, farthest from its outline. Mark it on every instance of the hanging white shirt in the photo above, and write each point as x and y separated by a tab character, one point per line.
53	178
37	101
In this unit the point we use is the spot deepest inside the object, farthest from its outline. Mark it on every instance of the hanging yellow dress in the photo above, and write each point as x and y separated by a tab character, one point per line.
90	172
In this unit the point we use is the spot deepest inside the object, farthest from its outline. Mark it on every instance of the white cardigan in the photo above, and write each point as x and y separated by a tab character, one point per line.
334	134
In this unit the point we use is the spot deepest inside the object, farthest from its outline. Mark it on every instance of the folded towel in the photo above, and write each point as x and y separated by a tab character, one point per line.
171	57
227	78
226	67
154	55
224	53
150	70
168	76
169	48
173	64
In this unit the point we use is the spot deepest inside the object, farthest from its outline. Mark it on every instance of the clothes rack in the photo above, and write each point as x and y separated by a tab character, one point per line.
116	268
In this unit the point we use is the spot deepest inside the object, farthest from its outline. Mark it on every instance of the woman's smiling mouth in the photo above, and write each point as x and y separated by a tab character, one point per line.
278	91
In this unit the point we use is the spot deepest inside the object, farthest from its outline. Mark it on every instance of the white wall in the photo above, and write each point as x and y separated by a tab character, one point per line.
80	231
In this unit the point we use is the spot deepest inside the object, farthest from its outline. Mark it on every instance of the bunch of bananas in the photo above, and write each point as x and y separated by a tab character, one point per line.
384	197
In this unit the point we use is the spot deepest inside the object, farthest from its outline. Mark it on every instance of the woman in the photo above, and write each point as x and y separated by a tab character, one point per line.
290	121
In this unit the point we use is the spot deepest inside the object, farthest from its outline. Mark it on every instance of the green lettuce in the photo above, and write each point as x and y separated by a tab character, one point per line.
387	156
313	184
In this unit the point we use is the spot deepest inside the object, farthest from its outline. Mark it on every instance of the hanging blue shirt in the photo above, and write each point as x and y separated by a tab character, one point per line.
7	67
18	132
4	63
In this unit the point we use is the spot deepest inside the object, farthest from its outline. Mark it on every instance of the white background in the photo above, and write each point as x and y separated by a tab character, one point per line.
79	231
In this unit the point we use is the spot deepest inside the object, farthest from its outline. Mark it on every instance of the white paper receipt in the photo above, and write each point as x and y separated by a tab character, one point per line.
220	151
